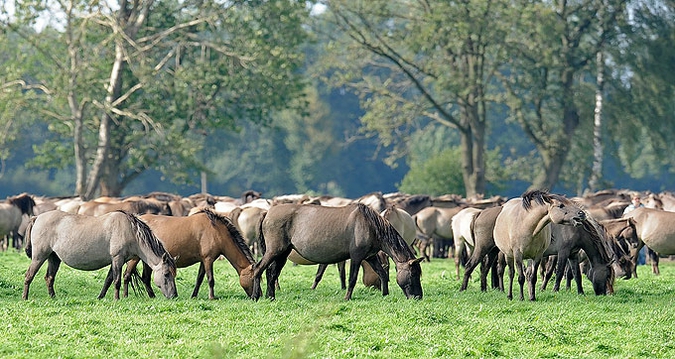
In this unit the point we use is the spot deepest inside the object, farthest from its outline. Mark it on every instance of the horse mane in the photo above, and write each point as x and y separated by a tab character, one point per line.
385	232
148	238
24	202
234	232
541	197
599	237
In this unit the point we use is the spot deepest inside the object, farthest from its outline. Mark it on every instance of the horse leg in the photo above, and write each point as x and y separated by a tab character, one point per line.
106	283
200	278
563	257
548	266
498	269
273	272
576	273
53	263
343	276
654	257
319	274
353	276
510	262
460	247
34	267
208	267
476	258
375	263
532	280
116	268
131	267
518	263
485	266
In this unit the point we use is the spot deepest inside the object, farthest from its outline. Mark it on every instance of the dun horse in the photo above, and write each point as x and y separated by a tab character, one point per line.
331	235
200	238
522	231
91	243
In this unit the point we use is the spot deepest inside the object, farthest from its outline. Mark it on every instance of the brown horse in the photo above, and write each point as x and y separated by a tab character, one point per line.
13	212
655	229
200	238
91	243
331	235
522	231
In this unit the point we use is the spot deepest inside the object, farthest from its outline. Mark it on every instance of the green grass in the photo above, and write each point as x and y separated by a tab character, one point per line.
301	323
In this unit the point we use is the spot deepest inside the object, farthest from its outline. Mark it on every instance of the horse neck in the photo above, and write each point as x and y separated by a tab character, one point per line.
230	250
595	248
537	218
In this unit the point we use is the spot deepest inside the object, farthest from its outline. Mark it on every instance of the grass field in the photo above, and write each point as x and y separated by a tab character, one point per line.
638	321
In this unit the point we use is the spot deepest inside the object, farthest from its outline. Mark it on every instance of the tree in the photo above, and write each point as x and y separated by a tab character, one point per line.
414	62
163	72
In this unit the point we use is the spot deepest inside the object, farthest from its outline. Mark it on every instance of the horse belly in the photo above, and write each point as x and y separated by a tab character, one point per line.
84	257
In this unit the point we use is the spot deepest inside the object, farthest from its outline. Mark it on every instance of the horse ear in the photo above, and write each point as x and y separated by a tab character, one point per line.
417	260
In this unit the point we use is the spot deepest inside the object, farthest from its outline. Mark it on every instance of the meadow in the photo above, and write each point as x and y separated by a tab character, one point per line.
637	321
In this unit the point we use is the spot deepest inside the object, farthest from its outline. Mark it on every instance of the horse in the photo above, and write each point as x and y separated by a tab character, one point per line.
592	238
461	233
13	213
522	231
654	229
200	238
136	206
91	243
331	235
404	225
433	223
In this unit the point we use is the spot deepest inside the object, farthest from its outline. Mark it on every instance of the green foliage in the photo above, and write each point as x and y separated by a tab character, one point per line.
634	322
441	174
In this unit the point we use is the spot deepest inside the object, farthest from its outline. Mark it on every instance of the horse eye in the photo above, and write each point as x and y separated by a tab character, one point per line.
562	205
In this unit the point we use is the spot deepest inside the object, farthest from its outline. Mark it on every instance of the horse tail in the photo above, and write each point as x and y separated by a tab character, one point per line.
261	237
146	237
29	246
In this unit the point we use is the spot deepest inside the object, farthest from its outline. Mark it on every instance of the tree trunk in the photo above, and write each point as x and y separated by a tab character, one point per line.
596	173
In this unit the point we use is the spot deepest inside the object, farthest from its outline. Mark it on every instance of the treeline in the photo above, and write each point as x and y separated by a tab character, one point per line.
432	97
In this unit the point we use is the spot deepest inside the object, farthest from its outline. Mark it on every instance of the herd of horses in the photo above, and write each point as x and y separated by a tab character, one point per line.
531	236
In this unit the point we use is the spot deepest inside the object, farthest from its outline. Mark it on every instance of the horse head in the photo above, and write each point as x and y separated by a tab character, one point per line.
408	276
165	276
248	282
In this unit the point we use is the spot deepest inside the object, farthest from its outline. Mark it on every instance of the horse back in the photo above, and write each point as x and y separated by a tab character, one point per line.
319	234
183	237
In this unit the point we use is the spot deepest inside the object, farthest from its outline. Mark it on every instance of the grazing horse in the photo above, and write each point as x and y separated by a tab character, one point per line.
200	238
12	214
404	225
91	243
522	231
592	238
654	229
331	235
